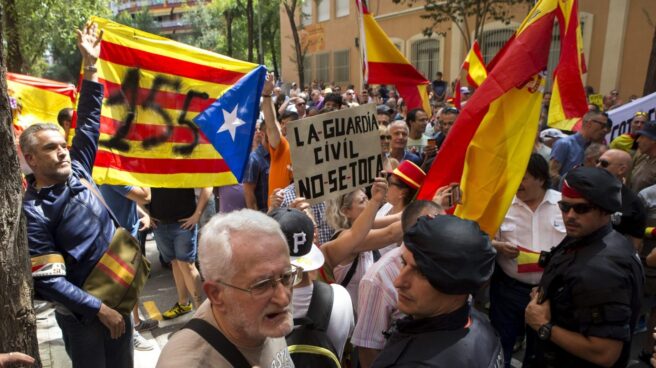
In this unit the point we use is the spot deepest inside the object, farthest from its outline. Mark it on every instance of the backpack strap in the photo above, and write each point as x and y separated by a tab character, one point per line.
351	271
94	190
219	342
321	305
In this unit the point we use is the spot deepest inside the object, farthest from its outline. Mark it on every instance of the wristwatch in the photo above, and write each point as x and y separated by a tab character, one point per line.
544	332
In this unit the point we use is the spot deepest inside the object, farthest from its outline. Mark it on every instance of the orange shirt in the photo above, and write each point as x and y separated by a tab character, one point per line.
279	174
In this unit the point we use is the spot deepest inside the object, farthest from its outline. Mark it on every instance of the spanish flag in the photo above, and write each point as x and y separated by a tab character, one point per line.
528	261
383	63
154	88
39	100
488	148
568	101
475	66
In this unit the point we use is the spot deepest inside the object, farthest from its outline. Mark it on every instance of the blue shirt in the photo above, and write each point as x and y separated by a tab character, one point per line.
569	151
408	155
124	209
257	172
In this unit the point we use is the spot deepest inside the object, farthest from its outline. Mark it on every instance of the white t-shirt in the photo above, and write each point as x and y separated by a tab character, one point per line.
188	349
417	145
342	320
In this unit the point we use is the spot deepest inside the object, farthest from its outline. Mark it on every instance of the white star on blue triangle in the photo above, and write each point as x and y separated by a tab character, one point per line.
235	112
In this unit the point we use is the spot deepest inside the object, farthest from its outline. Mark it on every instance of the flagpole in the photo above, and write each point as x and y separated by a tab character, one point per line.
363	49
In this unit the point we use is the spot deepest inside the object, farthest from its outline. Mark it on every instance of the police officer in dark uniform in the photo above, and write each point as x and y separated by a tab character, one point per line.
589	297
445	259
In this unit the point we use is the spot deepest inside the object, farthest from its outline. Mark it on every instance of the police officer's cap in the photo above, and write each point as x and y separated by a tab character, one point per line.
454	254
596	185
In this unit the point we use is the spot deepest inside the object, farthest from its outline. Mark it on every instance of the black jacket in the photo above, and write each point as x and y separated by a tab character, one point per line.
458	339
594	285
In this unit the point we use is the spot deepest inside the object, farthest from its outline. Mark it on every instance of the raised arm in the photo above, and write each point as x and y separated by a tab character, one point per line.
338	250
271	123
85	142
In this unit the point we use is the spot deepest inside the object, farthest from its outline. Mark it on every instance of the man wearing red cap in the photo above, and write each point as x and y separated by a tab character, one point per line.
588	301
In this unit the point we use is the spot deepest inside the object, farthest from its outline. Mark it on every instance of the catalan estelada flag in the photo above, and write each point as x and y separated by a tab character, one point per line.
39	100
154	89
475	66
383	63
488	148
527	260
568	101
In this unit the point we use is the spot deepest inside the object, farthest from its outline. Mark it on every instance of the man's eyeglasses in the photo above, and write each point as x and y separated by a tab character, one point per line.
641	113
603	163
580	208
603	123
385	137
288	279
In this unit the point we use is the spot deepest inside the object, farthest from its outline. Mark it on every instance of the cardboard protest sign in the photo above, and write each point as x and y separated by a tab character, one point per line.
335	153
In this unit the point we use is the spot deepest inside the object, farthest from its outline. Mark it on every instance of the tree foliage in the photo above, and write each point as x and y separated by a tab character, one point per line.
221	26
469	16
141	20
46	35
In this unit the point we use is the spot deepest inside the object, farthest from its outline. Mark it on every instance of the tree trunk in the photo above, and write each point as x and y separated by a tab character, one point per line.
14	55
228	18
650	82
290	9
274	59
251	28
17	319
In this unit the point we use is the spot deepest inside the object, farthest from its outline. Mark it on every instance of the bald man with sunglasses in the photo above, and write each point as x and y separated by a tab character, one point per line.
588	300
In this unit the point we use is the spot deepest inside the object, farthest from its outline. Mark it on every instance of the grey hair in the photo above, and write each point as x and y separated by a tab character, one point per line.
27	139
215	247
400	123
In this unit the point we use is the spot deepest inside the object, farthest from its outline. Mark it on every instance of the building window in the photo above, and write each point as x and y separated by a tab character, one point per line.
341	64
322	67
323	10
493	40
307	70
306	13
424	56
342	8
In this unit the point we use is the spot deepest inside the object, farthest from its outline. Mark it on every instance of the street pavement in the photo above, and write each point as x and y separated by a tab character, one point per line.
159	295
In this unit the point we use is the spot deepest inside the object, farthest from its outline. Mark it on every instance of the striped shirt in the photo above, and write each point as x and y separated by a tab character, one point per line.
318	210
377	301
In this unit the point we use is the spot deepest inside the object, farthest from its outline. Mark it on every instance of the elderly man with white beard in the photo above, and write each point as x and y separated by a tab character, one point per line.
245	261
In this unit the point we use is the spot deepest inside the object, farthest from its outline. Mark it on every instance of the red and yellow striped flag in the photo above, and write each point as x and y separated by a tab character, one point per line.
40	99
154	87
568	101
528	260
385	64
488	148
475	66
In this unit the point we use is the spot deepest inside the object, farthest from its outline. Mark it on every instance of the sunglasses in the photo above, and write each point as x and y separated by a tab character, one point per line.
452	110
641	113
385	137
580	208
603	163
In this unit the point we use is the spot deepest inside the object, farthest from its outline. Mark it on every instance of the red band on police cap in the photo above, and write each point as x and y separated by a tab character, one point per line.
570	192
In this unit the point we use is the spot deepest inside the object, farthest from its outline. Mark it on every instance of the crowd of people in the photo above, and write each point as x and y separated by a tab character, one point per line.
374	277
